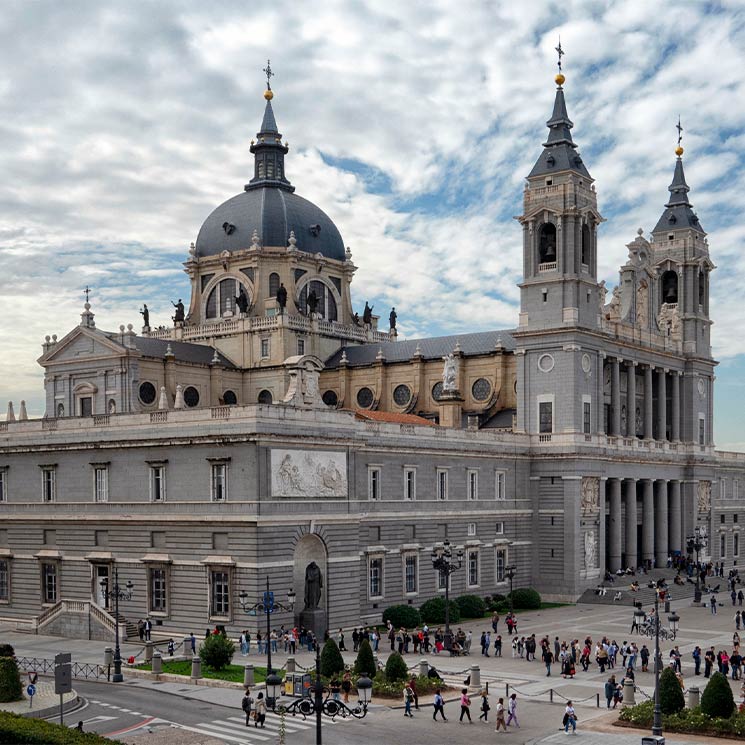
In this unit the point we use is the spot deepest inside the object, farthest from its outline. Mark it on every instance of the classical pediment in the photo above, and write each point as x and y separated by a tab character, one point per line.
80	344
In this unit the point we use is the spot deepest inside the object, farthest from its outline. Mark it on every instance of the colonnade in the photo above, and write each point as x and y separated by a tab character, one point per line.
662	523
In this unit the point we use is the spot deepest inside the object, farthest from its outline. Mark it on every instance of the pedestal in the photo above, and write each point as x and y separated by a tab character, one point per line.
451	408
315	620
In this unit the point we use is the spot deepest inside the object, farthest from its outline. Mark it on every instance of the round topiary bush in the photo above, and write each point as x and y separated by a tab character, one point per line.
6	650
717	700
406	616
671	695
471	606
217	651
365	662
525	598
10	680
433	611
395	668
331	660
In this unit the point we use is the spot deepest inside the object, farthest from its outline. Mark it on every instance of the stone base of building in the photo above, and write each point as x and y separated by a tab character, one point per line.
315	620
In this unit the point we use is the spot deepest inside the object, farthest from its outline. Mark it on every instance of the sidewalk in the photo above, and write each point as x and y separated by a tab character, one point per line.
44	703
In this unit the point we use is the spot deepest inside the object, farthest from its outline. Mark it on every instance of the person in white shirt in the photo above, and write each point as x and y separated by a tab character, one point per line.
570	717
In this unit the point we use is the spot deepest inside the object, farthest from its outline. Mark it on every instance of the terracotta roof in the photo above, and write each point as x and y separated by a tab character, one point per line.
393	417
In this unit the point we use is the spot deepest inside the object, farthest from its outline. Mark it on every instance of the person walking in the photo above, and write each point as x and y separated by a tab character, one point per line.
141	630
247	705
260	716
346	686
148	629
512	711
193	640
713	604
465	706
548	658
498	646
610	688
340	638
709	659
439	704
500	716
697	660
484	706
408	699
738	620
412	685
570	718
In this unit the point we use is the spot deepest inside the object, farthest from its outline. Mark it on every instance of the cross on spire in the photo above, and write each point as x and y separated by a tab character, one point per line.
680	131
560	52
87	292
269	74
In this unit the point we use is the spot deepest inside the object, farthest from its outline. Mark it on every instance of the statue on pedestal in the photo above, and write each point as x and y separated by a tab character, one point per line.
392	318
145	313
450	373
281	297
179	316
313	586
242	301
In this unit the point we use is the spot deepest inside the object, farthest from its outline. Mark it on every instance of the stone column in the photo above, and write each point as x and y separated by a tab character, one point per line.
615	387
614	539
675	434
648	521
631	552
676	515
661	404
661	527
648	411
631	402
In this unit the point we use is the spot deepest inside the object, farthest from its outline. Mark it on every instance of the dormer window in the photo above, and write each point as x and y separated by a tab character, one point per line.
549	182
671	236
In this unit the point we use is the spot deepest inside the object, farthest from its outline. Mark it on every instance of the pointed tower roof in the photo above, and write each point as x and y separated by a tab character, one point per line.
560	150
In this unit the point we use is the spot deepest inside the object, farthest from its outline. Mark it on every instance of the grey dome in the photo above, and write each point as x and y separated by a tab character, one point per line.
272	212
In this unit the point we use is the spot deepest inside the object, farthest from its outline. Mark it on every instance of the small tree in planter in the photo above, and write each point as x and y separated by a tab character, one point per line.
217	651
395	668
717	700
365	662
671	695
331	660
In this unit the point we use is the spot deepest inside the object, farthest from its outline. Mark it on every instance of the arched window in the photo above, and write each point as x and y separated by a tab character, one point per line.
326	307
60	410
547	243
265	397
273	284
221	300
586	238
669	285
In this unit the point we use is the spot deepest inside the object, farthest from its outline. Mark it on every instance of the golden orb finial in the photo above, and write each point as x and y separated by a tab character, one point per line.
679	151
560	79
268	94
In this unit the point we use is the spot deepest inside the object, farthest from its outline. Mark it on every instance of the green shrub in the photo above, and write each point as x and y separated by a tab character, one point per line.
717	700
10	680
395	688
671	695
217	651
331	660
395	668
641	714
6	650
471	606
402	616
365	662
18	730
526	598
433	611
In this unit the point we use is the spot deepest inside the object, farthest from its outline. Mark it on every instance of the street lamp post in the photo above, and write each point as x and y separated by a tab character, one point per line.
657	720
510	573
695	542
116	592
444	562
268	605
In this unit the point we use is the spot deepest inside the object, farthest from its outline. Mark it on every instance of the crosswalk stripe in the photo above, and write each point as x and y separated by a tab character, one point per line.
290	724
217	733
220	730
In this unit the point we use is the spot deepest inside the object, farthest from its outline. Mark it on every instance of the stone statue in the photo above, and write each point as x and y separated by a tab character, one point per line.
615	304
281	298
704	496
392	318
590	494
590	550
602	292
642	304
179	315
242	301
668	321
367	314
312	302
145	313
450	373
313	585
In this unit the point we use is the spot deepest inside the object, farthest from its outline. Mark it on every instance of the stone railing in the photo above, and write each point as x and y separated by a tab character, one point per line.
78	607
547	266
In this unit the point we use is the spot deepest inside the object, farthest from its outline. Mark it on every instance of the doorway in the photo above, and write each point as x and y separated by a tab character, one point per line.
100	592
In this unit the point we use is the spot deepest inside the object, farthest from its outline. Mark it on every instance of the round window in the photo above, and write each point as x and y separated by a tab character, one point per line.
545	363
437	391
230	398
191	396
330	398
265	397
147	393
481	389
402	395
365	398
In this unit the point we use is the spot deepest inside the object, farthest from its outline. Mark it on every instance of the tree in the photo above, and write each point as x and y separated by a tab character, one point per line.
10	680
365	662
526	598
402	616
433	611
717	700
395	668
331	660
671	695
217	651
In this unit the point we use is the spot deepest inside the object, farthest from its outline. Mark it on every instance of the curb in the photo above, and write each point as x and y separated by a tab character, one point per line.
68	706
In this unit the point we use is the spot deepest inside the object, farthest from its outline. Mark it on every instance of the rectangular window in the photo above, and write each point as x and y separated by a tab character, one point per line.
158	539
48	484
586	412
499	528
499	485
735	545
157	483
442	484
3	484
49	583
301	346
545	417
101	537
471	529
220	589
734	518
473	568
701	430
158	590
722	518
86	406
722	546
410	573
264	349
410	483
219	482
473	484
722	488
735	489
4	580
376	577
501	563
101	484
373	483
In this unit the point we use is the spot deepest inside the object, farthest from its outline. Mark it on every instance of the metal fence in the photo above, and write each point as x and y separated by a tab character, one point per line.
82	670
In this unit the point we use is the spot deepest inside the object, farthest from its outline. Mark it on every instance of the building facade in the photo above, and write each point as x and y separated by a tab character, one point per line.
272	427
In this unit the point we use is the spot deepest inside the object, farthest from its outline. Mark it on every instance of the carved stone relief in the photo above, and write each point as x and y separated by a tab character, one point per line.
308	473
590	494
591	550
704	496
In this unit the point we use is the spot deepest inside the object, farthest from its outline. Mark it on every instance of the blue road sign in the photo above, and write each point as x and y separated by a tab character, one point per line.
31	690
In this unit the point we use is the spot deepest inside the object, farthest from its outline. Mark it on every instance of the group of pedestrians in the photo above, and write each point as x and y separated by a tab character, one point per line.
465	708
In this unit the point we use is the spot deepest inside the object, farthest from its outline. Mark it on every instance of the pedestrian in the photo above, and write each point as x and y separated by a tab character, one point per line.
246	705
644	657
610	687
570	717
548	658
738	620
408	699
335	687
342	648
465	705
740	597
495	622
346	686
412	685
356	641
171	647
243	643
439	704
512	711
709	659
79	728
697	660
500	715
141	630
498	646
713	604
260	715
193	640
148	629
484	706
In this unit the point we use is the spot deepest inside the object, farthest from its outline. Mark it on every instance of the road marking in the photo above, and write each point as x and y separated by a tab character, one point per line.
217	733
143	723
290	725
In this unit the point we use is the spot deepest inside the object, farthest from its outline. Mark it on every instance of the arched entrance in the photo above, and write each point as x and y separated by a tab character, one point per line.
312	607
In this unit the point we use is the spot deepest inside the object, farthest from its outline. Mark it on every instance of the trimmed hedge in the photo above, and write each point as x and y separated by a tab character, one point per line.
717	700
525	598
433	611
365	662
402	616
217	651
471	606
331	660
671	695
10	680
395	668
691	721
18	730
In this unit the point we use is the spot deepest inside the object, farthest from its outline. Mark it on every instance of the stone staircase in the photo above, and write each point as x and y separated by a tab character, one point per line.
129	627
78	619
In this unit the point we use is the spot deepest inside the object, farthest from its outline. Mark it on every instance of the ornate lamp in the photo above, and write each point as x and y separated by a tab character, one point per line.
364	690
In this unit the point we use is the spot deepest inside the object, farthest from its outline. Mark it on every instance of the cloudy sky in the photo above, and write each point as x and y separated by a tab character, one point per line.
123	124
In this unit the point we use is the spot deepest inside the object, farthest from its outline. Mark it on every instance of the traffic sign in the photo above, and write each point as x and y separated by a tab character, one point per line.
63	678
31	690
62	658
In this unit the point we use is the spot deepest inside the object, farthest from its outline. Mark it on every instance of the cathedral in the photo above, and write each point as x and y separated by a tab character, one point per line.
271	427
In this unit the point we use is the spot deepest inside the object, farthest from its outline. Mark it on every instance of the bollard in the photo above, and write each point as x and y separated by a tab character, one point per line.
248	675
148	651
108	656
290	666
475	676
196	667
597	700
694	697
628	693
506	690
550	695
157	663
423	667
187	647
